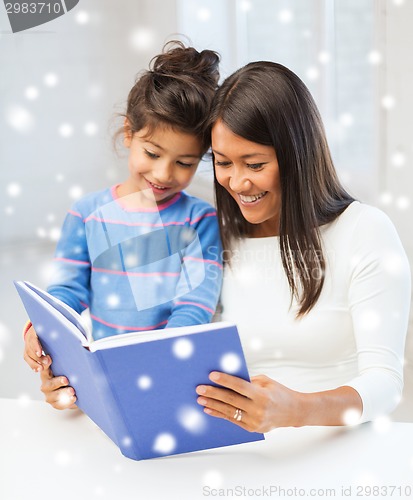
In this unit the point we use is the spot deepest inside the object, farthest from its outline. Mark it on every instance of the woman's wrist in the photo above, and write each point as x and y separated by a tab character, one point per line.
341	406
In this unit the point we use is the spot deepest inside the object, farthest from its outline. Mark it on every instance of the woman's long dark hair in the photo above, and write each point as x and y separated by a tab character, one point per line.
266	103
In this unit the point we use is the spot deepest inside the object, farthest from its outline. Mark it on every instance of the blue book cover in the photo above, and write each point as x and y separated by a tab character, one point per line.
139	387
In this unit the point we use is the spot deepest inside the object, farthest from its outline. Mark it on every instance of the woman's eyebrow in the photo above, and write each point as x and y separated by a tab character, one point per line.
248	155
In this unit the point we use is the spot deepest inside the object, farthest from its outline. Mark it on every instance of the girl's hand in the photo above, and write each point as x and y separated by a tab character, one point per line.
33	351
264	403
57	391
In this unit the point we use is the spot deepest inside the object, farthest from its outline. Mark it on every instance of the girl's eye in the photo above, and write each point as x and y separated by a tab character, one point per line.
185	165
151	155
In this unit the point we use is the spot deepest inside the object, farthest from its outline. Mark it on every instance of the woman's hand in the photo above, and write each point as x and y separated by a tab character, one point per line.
264	403
33	351
57	391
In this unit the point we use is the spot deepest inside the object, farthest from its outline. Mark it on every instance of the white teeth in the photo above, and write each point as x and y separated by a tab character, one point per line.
158	187
250	199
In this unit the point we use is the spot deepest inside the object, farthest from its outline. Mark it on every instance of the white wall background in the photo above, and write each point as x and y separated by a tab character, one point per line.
62	83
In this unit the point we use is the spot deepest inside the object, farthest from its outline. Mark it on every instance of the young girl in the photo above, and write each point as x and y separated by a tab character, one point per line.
143	254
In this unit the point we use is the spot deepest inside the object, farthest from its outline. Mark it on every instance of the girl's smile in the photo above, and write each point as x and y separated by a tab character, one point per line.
163	160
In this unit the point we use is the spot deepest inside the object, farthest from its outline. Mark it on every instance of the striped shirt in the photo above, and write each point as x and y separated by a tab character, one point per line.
139	268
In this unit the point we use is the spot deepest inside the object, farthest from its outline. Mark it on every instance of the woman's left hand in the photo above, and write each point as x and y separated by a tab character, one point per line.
264	403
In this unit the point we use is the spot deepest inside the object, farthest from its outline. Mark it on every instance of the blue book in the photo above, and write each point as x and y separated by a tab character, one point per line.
139	387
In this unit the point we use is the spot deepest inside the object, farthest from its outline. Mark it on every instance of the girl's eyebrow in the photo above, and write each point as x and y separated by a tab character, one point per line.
180	156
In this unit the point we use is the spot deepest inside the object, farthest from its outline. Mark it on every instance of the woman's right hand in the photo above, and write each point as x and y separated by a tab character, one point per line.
33	351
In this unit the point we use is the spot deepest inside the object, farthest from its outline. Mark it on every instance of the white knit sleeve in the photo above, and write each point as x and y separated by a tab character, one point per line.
379	300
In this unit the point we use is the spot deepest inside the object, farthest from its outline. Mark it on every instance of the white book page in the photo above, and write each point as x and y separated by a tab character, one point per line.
71	315
152	335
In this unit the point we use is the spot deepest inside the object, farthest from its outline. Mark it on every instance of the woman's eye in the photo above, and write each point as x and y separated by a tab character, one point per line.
151	155
255	166
222	163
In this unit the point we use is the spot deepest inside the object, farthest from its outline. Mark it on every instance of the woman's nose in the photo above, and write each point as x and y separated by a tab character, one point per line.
239	182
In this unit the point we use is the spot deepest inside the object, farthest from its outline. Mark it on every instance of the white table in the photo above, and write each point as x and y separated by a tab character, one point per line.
45	454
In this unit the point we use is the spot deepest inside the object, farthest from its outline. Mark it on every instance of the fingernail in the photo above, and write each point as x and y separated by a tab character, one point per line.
202	401
201	389
214	376
45	361
62	380
38	354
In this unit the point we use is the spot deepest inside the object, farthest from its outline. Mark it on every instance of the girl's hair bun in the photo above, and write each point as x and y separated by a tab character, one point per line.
176	60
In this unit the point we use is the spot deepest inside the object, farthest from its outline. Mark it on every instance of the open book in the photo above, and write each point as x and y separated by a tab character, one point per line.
139	387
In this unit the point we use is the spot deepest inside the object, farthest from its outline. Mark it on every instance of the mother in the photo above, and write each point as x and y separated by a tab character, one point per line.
317	282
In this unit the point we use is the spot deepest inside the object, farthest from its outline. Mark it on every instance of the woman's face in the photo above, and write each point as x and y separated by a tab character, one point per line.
249	172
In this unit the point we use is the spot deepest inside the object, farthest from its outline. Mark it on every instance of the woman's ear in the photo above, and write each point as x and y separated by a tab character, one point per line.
127	133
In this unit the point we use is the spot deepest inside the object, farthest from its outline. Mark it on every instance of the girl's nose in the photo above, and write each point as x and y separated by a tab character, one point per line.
163	174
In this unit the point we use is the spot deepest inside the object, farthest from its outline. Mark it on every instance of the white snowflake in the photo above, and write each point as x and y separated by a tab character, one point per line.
142	39
54	233
382	424
183	348
255	344
203	14
230	362
31	93
75	192
213	478
24	400
246	5
90	128
375	57
312	73
82	17
346	119
113	300
402	202
370	320
51	80
386	198
398	159
351	417
66	130
14	189
63	458
192	419
127	441
144	382
20	119
388	102
164	443
285	16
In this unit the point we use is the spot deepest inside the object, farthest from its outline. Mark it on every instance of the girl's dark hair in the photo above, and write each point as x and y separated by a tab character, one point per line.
176	91
266	103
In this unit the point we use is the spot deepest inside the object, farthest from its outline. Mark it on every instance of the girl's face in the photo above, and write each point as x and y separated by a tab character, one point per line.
249	172
163	161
